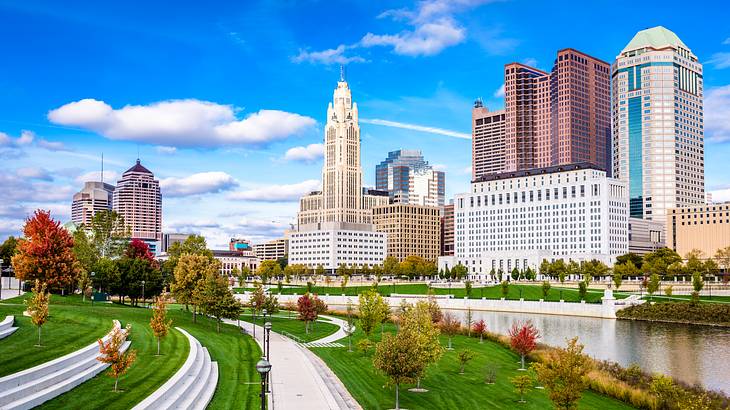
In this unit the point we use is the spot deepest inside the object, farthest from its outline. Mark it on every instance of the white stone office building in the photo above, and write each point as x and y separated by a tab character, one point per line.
335	246
94	197
517	219
658	134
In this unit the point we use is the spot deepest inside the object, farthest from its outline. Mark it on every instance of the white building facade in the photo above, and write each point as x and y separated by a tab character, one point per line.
94	197
658	133
518	219
332	246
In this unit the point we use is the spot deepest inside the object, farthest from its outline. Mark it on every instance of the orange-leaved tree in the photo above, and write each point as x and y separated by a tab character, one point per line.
307	310
38	307
159	323
110	353
480	328
523	339
46	252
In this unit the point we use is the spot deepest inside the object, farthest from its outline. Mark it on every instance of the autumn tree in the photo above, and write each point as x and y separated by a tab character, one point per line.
307	310
190	269
391	266
159	323
84	282
464	356
373	311
258	298
216	299
433	308
563	373
480	328
653	284
111	354
268	270
45	253
450	325
139	272
38	307
418	320
193	245
523	339
522	383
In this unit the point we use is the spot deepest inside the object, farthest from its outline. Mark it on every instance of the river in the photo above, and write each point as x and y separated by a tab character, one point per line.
693	354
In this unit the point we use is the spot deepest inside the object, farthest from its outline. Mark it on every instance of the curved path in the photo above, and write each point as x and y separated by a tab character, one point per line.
300	379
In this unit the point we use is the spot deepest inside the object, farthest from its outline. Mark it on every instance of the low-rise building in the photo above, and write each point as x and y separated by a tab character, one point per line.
517	219
702	227
645	236
231	260
272	250
334	244
410	229
239	245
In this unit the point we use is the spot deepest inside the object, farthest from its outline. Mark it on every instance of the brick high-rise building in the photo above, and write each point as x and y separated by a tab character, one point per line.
487	141
138	200
411	230
557	118
447	231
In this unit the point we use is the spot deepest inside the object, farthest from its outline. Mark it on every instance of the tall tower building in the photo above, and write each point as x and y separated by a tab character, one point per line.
94	197
658	137
138	200
487	141
409	179
561	117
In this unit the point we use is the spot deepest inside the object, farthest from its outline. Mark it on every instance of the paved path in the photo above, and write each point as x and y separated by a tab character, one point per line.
8	293
299	379
339	334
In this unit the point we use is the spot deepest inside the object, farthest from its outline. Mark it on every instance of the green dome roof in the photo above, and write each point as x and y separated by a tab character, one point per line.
655	37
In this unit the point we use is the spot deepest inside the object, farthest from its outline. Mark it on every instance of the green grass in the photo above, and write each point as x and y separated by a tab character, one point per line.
74	324
281	323
528	292
447	388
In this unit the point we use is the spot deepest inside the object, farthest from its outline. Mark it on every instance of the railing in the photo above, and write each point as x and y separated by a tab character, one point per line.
291	336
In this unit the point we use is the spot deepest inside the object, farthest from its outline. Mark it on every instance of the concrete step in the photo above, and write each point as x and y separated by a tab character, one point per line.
7	332
7	322
201	402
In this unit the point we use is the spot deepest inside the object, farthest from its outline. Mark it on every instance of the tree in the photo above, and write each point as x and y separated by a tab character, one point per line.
258	298
343	283
268	270
109	234
45	253
412	266
635	259
216	298
698	283
8	249
464	357
515	273
544	268
319	271
676	269
83	281
711	268
617	279
418	321
450	326
505	289
399	358
307	310
391	266
110	353
658	261
523	339
722	256
545	289
433	308
159	323
522	383
373	311
190	269
480	328
564	375
665	391
106	274
84	251
653	284
38	307
468	320
668	291
467	288
349	327
139	273
582	289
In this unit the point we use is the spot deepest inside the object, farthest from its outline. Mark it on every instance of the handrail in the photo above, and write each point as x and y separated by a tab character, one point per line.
291	336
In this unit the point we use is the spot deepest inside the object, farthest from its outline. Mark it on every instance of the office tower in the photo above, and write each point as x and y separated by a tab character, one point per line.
447	230
409	179
560	117
94	197
272	250
699	227
138	200
658	137
168	239
487	141
411	230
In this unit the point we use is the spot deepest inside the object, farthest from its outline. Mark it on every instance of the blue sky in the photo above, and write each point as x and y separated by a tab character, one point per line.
225	101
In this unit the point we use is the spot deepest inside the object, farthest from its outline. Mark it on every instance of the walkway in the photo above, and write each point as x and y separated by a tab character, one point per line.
299	379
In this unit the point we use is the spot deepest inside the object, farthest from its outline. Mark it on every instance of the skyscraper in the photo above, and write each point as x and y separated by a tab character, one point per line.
487	141
561	117
658	137
94	197
409	179
138	200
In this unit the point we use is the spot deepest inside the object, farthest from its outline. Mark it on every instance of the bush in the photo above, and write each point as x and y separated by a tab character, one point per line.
364	346
490	373
700	313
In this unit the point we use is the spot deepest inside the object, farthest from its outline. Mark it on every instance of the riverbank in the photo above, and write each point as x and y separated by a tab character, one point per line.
706	314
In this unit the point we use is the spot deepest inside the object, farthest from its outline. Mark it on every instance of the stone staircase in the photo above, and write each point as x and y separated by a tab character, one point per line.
191	387
31	387
6	326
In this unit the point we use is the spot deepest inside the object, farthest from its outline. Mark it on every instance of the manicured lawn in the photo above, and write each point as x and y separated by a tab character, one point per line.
236	354
447	388
527	292
281	323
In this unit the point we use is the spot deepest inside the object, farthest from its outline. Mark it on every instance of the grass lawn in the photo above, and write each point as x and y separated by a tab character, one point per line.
447	388
236	354
281	323
528	292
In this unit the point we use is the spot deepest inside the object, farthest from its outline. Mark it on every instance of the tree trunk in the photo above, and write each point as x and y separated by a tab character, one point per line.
218	325
461	370
481	338
349	343
116	381
195	314
449	342
522	362
397	402
39	335
158	346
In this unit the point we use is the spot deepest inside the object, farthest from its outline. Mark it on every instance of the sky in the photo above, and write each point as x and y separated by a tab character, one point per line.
225	102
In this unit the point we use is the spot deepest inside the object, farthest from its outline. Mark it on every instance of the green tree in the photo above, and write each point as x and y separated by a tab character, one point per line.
698	282
391	266
189	270
459	272
419	322
522	383
629	257
319	271
464	356
467	288
515	273
84	282
399	357
582	289
559	269
653	284
8	249
216	299
544	268
563	373
268	270
505	289
109	234
617	279
192	245
84	251
545	289
106	275
659	260
373	311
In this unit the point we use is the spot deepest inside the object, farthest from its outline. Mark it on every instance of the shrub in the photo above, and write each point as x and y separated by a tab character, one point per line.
705	313
490	373
364	346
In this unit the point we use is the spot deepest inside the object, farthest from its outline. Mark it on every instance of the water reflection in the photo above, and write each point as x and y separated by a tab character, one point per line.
693	354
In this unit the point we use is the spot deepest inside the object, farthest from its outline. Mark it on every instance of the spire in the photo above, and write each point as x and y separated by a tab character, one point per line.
342	73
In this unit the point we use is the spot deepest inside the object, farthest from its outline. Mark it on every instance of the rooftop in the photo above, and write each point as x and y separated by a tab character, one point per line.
138	168
538	171
655	37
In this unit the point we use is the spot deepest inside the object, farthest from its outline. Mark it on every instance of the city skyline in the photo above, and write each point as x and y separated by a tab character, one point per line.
409	98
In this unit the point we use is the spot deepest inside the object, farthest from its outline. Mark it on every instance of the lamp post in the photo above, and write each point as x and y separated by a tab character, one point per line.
267	347
1	279
92	287
143	292
263	367
253	317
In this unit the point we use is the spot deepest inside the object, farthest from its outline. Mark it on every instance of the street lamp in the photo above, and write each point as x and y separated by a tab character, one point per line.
263	367
253	318
143	292
1	279
267	348
92	287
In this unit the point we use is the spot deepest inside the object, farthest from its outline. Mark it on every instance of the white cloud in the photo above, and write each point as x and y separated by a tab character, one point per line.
424	40
499	93
532	62
26	138
467	170
20	189
110	177
721	195
197	184
34	173
278	193
162	149
310	153
440	167
51	145
431	130
217	233
180	122
327	57
720	60
717	114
